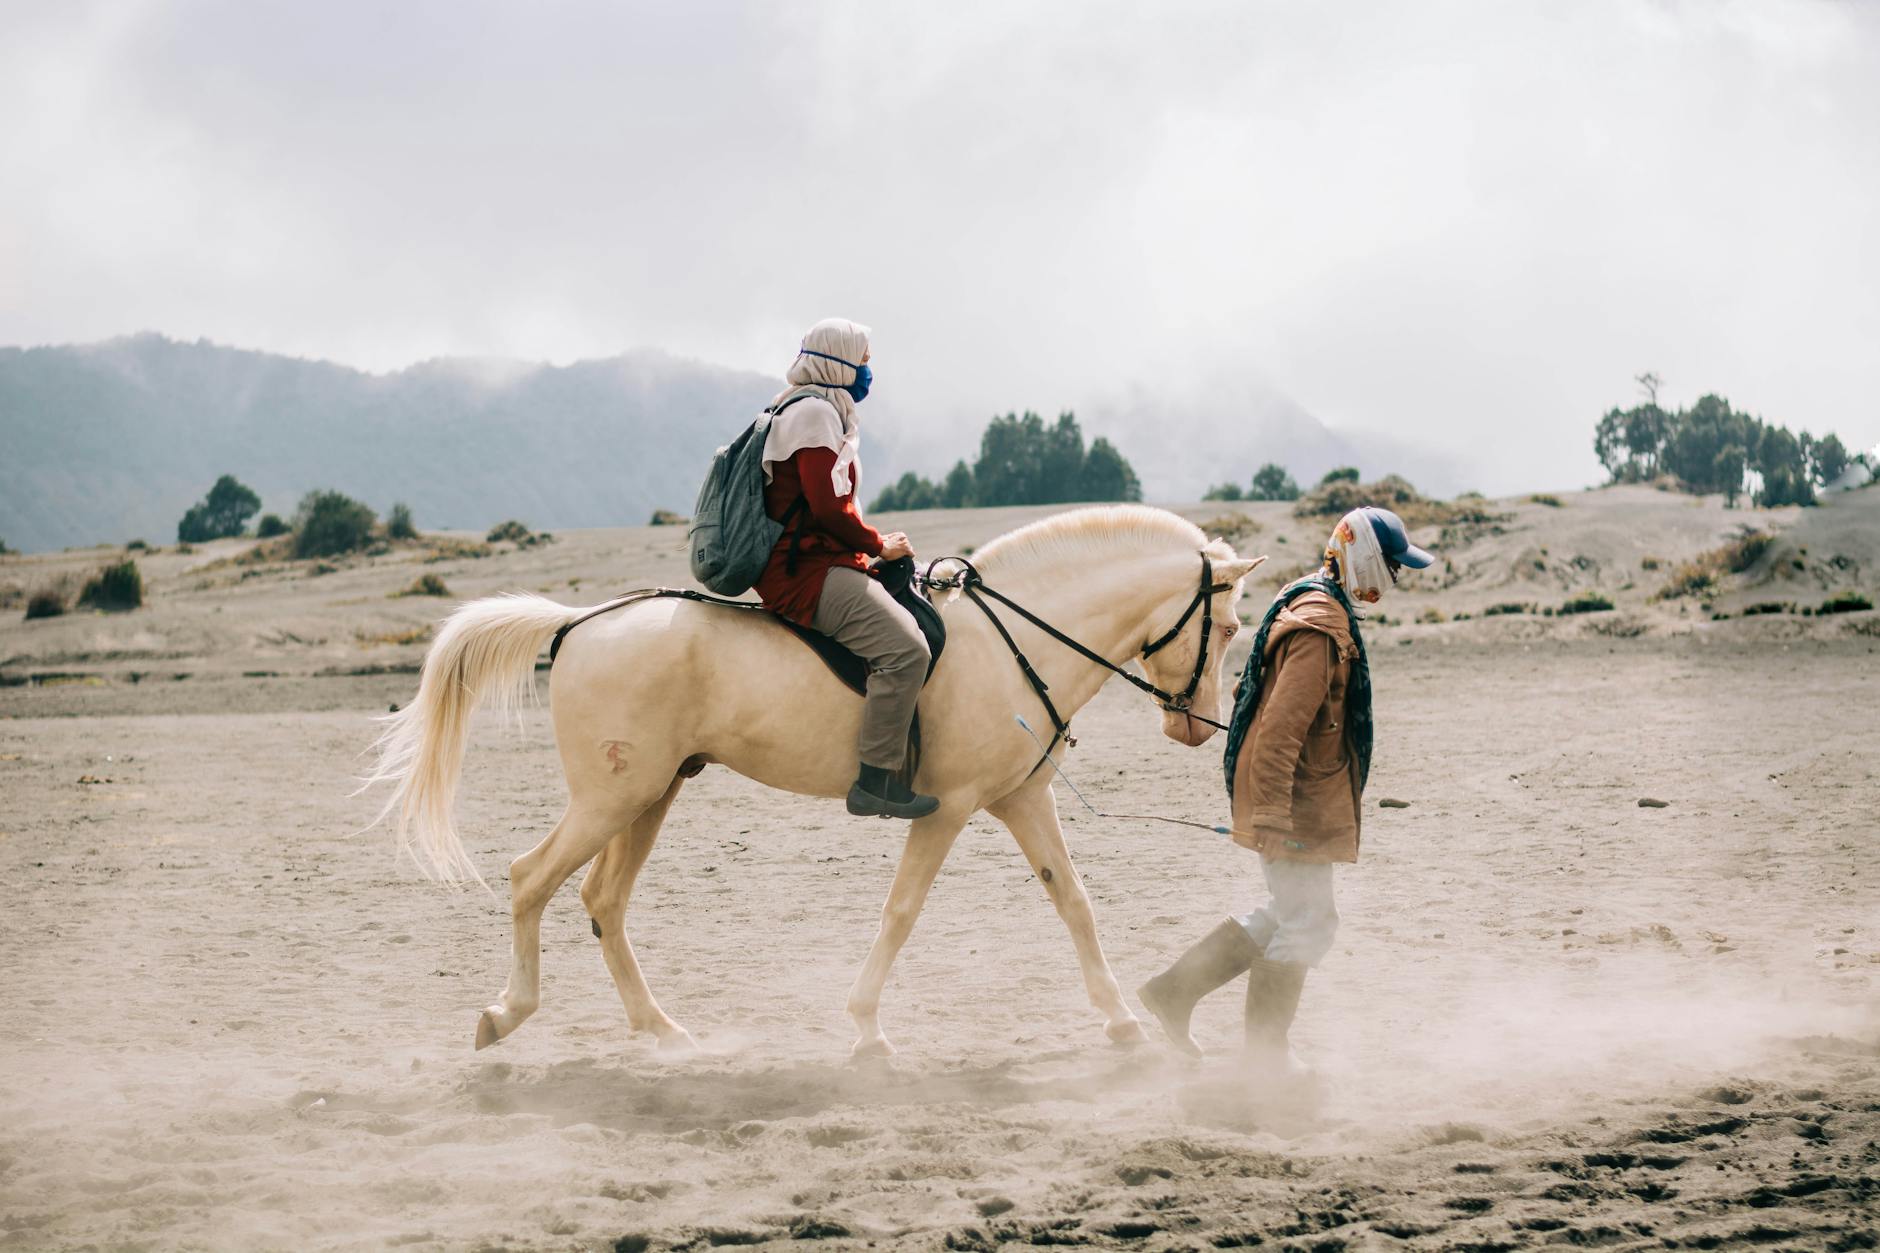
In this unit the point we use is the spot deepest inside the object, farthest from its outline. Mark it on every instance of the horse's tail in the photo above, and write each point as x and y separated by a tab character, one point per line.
484	655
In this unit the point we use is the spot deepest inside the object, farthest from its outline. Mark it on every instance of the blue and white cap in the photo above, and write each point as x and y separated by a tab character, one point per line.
1394	540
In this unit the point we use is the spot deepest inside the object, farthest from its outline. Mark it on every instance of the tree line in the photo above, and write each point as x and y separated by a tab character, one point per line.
1711	447
1022	461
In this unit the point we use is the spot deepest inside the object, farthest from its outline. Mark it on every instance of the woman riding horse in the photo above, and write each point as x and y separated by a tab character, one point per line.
818	576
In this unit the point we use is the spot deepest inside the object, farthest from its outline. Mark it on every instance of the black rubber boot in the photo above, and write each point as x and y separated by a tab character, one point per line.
877	793
1273	990
1171	996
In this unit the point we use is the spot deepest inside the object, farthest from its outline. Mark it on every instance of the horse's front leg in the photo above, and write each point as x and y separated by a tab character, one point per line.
929	840
1031	815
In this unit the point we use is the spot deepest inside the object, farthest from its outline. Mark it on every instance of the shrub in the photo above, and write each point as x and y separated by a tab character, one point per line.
4	550
1704	574
47	602
1222	491
1432	615
11	594
1540	498
1649	563
1506	607
1232	527
666	517
330	523
1621	627
398	523
270	526
1586	602
1846	602
220	514
425	585
1768	606
1343	474
136	546
510	530
519	534
114	589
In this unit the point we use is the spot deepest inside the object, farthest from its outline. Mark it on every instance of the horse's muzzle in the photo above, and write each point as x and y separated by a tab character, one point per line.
1179	726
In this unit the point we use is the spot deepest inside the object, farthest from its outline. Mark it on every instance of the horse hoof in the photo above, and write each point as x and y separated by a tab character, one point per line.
873	1046
1128	1033
486	1031
677	1043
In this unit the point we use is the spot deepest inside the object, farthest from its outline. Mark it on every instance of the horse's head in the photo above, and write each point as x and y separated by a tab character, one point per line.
1177	655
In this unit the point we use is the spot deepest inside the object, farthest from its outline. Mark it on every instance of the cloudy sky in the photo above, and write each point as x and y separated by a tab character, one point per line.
1467	224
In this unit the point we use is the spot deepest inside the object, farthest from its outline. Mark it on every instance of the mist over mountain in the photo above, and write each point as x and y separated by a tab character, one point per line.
111	441
108	441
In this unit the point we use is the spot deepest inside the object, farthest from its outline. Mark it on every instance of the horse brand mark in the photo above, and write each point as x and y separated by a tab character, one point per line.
612	750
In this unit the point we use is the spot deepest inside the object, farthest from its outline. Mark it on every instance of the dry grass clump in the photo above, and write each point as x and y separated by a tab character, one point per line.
1845	602
514	532
11	594
1507	607
1586	602
115	589
1432	615
1542	498
1232	527
1462	519
1621	627
425	585
1705	574
46	602
416	635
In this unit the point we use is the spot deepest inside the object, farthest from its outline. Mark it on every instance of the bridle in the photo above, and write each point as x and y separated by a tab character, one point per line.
967	579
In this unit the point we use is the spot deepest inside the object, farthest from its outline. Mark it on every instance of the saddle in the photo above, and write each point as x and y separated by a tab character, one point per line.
897	577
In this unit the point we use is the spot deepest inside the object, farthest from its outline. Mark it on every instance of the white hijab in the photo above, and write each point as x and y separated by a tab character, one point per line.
1361	565
831	425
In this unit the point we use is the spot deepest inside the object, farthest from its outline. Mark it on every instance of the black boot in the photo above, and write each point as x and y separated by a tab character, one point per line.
1222	954
877	793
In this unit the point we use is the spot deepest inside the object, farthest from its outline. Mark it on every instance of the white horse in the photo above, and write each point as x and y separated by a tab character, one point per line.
645	695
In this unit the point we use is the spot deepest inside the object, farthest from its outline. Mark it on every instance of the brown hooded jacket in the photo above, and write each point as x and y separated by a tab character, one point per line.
1296	790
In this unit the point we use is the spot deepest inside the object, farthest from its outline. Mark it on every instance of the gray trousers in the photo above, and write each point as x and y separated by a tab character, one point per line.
857	612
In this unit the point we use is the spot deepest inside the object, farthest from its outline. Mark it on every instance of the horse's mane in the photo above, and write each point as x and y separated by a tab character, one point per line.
1097	531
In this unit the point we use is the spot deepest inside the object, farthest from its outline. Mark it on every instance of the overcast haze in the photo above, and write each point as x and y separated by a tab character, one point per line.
1465	224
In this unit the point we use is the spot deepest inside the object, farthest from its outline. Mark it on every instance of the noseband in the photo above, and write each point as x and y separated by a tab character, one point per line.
969	582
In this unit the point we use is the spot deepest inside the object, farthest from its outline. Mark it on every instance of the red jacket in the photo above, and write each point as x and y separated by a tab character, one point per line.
831	529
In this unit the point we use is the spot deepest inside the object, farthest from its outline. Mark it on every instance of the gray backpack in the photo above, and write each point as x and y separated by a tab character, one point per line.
732	536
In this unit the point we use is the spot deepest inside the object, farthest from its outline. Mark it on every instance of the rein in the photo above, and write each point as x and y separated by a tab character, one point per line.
970	583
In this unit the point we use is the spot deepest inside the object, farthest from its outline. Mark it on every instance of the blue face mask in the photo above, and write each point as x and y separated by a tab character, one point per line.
858	390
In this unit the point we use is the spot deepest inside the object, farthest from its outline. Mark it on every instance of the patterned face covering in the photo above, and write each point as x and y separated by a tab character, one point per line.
1362	567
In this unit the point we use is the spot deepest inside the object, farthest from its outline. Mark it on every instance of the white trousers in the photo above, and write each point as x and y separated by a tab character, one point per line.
1300	921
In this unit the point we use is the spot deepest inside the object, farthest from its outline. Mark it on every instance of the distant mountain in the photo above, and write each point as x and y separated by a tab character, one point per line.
1220	426
110	441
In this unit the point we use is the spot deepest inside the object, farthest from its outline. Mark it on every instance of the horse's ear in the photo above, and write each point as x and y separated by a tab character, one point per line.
1238	568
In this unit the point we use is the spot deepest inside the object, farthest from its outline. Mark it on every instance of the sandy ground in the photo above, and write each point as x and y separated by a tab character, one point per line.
1553	1017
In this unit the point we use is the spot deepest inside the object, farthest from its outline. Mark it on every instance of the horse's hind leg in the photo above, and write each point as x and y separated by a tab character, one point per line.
533	877
605	892
1031	815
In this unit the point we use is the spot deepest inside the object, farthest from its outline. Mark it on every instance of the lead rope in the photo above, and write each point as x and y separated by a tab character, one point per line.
1180	822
